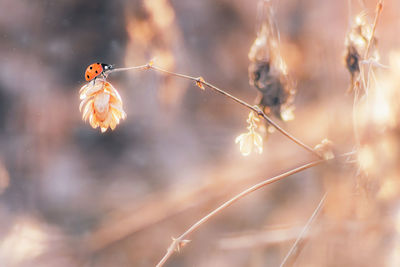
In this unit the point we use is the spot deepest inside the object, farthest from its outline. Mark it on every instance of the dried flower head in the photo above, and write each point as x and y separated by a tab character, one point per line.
352	60
268	71
101	104
251	140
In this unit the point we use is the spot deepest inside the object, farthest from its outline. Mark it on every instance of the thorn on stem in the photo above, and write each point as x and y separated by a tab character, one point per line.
200	82
177	244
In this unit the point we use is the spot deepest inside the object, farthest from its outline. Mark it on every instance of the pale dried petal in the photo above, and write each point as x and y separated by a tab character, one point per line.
245	143
246	146
239	138
84	101
250	141
113	123
113	91
92	121
91	88
116	115
117	107
101	102
107	120
83	88
87	110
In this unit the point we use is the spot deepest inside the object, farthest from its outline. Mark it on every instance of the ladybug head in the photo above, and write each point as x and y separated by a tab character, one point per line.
107	67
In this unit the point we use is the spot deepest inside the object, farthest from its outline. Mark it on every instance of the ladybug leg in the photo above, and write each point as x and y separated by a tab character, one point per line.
98	77
94	80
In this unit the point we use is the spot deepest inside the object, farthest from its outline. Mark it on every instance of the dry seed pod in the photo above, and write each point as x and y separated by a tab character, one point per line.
267	70
258	73
352	59
271	86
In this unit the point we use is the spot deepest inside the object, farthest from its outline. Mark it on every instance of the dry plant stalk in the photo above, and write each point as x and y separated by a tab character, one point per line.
359	41
179	242
295	250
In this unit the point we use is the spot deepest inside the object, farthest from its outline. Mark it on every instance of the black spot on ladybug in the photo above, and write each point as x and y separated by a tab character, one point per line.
91	67
98	63
87	76
97	72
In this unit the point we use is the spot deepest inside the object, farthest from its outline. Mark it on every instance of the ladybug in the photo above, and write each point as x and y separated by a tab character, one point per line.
96	69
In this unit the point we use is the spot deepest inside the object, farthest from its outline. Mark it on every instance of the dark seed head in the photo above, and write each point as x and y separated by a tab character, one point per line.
352	59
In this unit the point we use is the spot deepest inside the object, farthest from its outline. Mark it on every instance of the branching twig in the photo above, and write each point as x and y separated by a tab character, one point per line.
299	243
177	243
201	81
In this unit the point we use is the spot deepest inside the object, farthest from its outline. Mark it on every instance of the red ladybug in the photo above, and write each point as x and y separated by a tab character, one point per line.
96	69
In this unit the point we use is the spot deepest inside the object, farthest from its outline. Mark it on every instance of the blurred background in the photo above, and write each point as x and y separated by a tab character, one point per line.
71	196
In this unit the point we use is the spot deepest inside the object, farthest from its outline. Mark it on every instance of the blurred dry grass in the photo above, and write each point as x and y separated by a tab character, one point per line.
70	196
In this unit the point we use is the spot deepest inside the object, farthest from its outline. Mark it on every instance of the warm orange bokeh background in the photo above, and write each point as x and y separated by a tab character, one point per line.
71	196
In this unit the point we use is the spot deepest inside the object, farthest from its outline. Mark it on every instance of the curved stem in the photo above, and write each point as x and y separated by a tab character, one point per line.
256	109
178	242
295	250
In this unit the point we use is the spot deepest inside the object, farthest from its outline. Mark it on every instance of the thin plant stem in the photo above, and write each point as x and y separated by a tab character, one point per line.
295	250
354	117
254	108
125	69
361	76
177	243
